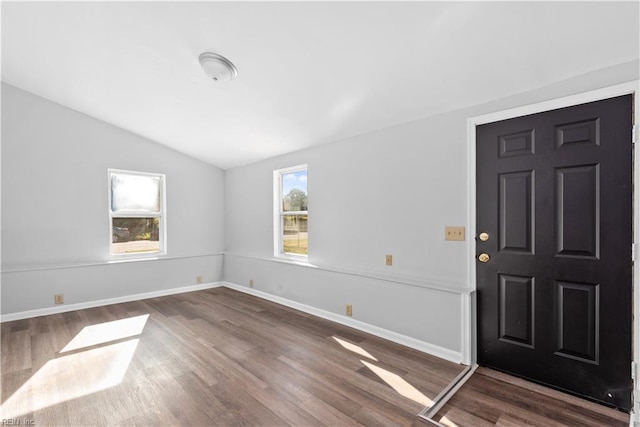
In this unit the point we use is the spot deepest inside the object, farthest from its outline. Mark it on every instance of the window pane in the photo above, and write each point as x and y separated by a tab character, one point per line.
135	235
294	234
135	193
294	191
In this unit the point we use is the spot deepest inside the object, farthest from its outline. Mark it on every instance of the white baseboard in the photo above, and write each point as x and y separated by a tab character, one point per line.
97	303
425	347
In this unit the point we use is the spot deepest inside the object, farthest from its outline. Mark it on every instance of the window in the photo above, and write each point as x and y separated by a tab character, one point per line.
136	213
291	215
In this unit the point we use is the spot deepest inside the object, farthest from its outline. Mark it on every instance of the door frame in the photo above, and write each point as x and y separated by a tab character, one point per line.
469	320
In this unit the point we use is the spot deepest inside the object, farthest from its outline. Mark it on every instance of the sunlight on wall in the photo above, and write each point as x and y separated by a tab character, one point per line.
81	373
399	384
355	348
107	332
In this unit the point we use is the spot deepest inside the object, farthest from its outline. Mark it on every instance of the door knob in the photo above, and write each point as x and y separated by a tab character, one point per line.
484	257
483	236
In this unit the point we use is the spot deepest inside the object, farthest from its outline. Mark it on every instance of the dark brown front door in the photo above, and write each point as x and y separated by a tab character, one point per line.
554	196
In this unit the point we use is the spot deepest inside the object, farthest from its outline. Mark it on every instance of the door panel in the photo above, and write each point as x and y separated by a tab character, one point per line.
554	193
516	212
577	209
517	144
516	309
583	132
578	320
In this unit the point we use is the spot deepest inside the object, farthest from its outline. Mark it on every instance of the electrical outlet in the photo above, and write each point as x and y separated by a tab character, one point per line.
349	310
58	298
198	279
453	233
389	260
251	283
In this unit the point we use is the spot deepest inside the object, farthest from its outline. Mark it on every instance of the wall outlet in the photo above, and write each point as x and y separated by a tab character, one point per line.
251	283
453	233
348	310
198	279
389	260
58	298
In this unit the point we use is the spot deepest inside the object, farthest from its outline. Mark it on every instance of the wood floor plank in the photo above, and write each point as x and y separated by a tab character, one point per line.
326	413
13	380
463	418
17	356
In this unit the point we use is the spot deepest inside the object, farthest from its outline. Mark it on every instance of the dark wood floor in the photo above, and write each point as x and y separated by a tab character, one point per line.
220	357
492	398
215	357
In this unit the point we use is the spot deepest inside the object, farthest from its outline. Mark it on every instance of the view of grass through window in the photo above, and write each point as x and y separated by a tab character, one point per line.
294	214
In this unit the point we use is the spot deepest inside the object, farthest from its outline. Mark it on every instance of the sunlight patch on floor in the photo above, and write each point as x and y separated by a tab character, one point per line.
106	332
86	371
355	348
70	377
399	384
447	422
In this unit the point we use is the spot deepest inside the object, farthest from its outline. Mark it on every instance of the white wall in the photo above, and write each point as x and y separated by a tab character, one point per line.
55	223
387	192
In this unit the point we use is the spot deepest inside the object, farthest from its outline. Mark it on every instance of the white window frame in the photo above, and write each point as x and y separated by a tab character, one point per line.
278	213
162	240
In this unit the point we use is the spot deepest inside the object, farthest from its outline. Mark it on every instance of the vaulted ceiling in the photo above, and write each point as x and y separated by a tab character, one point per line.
308	72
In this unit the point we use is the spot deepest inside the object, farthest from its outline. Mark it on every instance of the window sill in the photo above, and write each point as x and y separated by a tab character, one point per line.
137	256
302	260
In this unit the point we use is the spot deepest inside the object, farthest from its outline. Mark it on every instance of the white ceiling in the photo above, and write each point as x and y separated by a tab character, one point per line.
308	73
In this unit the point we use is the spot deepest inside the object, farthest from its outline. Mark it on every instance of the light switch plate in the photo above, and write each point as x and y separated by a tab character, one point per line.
453	233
